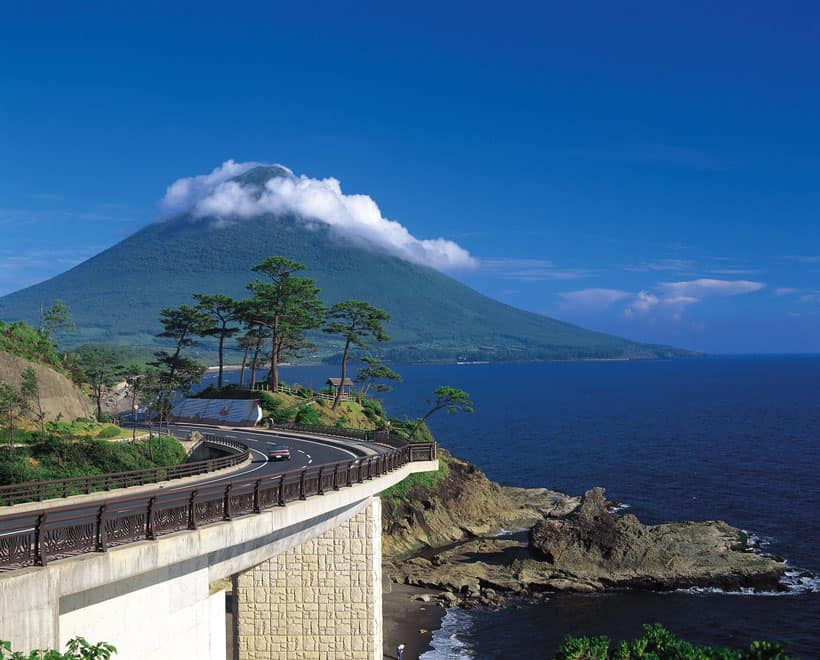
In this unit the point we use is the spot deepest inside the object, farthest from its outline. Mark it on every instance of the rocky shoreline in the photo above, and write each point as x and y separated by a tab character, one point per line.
447	541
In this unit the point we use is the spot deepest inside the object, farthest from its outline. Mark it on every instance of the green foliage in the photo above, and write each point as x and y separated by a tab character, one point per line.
99	368
23	341
272	408
80	428
374	371
268	401
177	371
412	430
16	403
58	458
419	484
287	306
56	318
220	311
308	415
109	432
76	649
657	643
447	398
360	324
452	399
373	410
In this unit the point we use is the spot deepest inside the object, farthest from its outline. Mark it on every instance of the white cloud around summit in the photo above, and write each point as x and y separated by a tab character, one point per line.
354	216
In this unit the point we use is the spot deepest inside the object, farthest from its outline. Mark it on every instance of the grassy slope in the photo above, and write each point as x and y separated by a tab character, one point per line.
348	414
24	341
84	429
57	459
116	295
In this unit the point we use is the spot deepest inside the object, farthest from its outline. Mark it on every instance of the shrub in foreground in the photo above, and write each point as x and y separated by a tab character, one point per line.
657	643
76	649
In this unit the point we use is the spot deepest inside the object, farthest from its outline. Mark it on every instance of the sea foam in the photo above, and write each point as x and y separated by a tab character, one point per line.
448	642
794	581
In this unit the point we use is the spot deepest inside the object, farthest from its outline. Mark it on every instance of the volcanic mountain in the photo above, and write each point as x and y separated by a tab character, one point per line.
116	296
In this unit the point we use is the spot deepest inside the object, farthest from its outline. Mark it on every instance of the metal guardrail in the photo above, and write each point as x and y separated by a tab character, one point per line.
381	436
342	432
313	394
37	491
35	538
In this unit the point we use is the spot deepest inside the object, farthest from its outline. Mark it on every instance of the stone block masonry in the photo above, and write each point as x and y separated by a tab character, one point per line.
320	600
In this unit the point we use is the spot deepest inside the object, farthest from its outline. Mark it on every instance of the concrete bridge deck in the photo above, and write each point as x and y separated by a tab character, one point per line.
306	576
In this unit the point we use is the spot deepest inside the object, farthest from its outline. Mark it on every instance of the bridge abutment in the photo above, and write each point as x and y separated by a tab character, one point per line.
321	599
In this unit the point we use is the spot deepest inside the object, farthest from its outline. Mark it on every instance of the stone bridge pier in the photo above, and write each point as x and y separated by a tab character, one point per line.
318	600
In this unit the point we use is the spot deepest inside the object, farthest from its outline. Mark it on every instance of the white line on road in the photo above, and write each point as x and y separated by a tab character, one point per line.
300	439
231	476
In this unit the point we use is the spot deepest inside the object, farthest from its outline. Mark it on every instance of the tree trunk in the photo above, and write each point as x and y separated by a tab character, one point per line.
99	404
221	343
273	374
344	373
242	370
254	361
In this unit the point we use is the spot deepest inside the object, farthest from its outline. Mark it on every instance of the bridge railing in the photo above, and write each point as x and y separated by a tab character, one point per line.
35	538
37	491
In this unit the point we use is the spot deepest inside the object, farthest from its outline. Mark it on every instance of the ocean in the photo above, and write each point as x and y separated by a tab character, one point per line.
731	438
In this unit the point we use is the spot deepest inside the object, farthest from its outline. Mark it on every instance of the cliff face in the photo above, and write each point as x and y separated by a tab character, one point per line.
58	395
464	504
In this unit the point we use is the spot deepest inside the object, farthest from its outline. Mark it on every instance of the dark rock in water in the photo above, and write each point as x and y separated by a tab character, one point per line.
592	548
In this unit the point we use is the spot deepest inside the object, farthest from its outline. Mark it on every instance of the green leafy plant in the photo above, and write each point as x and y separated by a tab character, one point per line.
360	324
308	415
447	398
657	643
76	649
109	432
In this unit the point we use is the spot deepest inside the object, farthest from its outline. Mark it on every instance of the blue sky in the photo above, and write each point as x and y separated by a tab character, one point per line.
650	169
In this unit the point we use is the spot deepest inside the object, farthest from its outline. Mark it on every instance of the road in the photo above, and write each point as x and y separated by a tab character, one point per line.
304	453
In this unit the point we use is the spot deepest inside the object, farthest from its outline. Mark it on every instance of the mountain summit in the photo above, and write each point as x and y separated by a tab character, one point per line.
222	224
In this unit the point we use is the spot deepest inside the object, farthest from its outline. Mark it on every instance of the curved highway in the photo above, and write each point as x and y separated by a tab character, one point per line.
54	530
303	452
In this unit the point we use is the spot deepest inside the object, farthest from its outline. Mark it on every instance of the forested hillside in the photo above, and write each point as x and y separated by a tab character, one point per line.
116	296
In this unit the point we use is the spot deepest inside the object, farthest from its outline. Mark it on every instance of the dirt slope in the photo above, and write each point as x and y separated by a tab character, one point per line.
59	396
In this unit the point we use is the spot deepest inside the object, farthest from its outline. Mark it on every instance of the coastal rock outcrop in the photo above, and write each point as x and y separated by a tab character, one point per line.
593	546
449	541
463	504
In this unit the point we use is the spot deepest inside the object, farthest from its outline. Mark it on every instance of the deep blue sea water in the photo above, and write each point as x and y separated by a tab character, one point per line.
732	438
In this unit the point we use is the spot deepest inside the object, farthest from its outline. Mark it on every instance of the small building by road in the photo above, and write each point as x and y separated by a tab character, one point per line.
347	386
